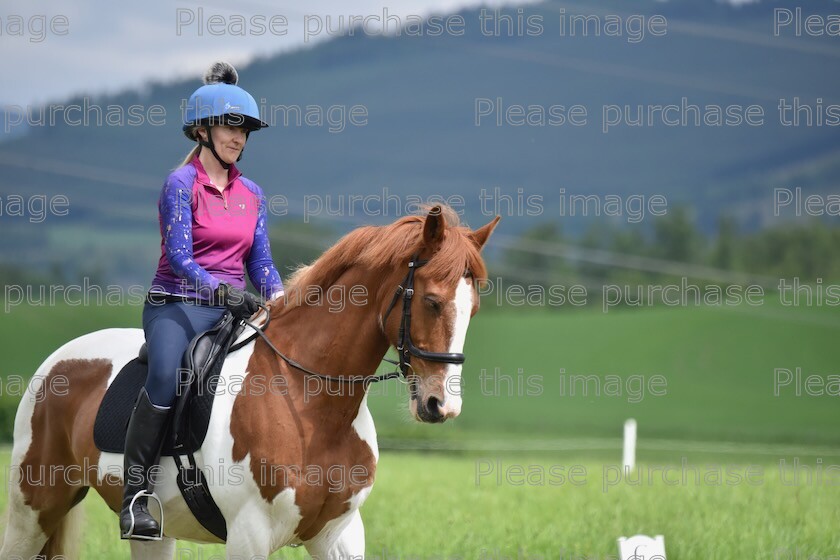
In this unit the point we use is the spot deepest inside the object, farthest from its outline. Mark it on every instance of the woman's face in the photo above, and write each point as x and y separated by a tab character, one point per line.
228	140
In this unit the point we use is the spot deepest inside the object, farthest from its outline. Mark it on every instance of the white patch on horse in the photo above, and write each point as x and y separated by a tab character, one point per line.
344	536
357	500
253	523
452	380
363	424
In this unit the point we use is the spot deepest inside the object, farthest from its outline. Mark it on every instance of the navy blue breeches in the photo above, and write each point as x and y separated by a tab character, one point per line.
169	328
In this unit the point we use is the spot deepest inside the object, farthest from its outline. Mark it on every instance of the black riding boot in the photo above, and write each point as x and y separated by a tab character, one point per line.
143	444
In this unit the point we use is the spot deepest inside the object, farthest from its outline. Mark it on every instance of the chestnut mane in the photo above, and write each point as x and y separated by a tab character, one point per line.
391	246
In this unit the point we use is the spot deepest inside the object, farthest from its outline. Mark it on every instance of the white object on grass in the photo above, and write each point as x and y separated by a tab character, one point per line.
641	547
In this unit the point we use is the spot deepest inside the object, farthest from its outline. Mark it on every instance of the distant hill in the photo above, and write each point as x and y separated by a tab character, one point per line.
421	138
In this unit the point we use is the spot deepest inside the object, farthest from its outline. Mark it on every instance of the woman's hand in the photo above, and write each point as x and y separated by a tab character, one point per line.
241	303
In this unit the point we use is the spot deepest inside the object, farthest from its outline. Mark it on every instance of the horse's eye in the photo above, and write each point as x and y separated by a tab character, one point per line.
432	303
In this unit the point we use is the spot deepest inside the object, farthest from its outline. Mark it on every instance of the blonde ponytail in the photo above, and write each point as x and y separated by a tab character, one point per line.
190	156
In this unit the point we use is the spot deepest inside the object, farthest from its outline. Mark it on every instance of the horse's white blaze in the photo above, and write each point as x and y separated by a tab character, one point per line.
452	380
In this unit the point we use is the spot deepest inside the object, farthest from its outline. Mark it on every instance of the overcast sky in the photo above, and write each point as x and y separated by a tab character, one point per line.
99	46
105	46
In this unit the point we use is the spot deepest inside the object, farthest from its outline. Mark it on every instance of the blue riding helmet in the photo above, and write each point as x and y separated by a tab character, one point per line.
220	101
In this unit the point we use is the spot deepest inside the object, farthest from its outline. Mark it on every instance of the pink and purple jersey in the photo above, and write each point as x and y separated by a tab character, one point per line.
209	237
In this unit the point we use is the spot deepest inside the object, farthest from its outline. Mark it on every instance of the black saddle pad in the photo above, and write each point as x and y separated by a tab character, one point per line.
115	410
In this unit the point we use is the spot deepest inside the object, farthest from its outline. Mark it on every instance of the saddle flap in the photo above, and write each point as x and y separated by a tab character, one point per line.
205	354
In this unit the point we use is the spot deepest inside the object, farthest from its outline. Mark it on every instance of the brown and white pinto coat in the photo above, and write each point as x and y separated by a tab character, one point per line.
288	461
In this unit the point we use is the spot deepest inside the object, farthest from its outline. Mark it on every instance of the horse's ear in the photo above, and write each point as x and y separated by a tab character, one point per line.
433	227
482	234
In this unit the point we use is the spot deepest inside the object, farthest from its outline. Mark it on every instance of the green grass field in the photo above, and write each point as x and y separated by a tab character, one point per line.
719	408
433	506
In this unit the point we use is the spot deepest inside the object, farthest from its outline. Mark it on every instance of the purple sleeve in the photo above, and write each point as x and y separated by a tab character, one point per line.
260	264
176	220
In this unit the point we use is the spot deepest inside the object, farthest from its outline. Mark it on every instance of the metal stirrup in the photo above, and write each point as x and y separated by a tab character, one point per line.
130	533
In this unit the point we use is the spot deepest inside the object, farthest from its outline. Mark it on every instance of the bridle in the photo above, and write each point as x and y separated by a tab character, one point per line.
405	347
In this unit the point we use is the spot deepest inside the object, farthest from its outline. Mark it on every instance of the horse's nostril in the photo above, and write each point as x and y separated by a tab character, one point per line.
433	406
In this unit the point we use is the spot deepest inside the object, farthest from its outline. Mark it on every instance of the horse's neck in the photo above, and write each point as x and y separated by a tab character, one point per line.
336	339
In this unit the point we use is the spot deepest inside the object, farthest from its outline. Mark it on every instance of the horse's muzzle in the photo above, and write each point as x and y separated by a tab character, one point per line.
431	410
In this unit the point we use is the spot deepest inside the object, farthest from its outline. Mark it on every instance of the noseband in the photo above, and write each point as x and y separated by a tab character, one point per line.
405	347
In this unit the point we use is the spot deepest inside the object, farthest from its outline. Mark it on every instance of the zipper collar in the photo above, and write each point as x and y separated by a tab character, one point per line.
202	177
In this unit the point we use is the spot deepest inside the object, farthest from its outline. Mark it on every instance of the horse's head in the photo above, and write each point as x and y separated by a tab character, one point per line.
422	272
426	317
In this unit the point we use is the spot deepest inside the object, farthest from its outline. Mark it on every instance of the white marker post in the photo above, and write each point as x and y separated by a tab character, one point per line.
629	445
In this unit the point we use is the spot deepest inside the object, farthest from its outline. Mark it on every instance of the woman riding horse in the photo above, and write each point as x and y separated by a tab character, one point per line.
416	281
213	225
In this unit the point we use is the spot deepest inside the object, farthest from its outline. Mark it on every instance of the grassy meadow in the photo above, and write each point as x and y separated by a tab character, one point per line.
426	506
